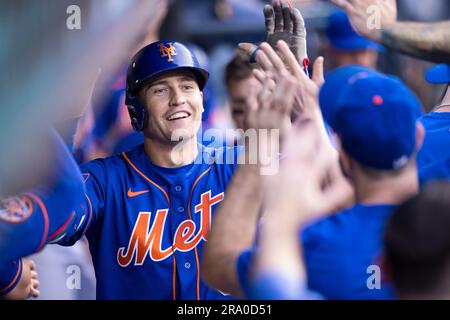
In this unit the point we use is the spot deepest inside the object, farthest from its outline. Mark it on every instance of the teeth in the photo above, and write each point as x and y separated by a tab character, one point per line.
178	115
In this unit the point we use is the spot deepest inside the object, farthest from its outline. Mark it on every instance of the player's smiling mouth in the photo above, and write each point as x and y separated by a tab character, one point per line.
178	116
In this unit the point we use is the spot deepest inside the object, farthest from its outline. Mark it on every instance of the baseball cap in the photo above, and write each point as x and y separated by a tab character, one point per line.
376	121
438	74
334	81
342	35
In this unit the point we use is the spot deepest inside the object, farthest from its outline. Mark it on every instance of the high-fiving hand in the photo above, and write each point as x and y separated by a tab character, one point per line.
284	22
369	17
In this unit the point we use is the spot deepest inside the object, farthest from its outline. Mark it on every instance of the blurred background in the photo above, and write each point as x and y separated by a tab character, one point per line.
64	63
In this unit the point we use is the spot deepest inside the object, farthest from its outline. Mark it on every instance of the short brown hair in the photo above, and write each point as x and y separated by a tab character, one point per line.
238	68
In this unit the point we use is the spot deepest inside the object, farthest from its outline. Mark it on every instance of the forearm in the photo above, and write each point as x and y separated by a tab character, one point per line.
233	229
429	41
280	250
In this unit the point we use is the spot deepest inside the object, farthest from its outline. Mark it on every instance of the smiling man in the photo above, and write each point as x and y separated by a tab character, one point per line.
147	211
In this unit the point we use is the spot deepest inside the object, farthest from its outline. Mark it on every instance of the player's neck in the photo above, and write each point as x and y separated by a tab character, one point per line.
171	155
389	190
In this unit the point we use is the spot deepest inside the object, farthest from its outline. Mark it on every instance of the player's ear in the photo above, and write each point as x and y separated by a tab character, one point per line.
420	135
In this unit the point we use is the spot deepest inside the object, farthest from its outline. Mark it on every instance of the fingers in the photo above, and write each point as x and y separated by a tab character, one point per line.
279	27
34	292
269	16
31	264
288	24
265	95
317	75
284	93
249	49
298	23
34	274
273	57
261	77
290	60
263	60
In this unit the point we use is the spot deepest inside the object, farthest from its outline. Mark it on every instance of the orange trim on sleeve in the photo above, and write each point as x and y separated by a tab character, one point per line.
14	280
45	215
197	261
90	214
62	228
146	178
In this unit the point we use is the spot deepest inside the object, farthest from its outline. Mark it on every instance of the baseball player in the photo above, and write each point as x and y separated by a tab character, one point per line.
147	212
376	124
433	159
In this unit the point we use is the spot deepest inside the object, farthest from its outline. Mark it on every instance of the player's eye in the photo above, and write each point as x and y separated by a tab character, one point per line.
188	87
159	91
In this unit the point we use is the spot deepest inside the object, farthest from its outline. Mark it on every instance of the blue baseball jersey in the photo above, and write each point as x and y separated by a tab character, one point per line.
434	157
147	225
342	255
32	219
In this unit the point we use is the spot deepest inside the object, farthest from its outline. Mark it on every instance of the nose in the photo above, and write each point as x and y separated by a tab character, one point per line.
177	98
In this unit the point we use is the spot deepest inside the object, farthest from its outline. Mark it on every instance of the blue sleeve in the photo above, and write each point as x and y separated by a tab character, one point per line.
10	274
29	220
279	286
88	212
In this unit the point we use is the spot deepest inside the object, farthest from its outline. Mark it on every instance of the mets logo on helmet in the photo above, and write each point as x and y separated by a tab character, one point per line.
167	52
15	209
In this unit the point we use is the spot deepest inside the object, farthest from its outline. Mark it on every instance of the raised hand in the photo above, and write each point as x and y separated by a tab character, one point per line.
307	90
284	22
272	107
369	17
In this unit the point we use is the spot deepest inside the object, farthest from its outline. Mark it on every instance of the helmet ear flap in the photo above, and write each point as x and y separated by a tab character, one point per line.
138	113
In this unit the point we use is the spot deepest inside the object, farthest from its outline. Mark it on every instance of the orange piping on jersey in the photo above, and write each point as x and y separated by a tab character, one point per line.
91	213
45	215
174	279
61	229
174	292
86	177
146	178
15	278
190	217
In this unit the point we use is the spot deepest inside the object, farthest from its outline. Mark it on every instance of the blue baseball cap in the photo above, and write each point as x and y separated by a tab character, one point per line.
376	121
439	74
342	35
334	82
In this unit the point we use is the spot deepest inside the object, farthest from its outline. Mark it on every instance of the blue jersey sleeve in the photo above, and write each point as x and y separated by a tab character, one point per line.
88	212
28	221
10	274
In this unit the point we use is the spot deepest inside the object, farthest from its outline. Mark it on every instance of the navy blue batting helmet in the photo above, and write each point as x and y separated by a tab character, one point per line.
152	60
